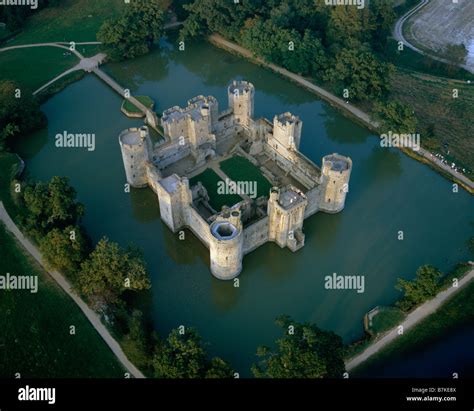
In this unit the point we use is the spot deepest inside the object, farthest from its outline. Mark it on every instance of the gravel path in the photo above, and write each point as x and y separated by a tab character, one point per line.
411	320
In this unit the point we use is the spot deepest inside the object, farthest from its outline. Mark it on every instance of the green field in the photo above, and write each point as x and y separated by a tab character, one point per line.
432	100
240	169
35	340
73	20
387	318
456	312
33	67
145	100
209	180
409	59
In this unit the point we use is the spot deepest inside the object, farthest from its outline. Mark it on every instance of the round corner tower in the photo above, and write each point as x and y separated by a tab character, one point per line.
226	246
335	174
241	101
135	145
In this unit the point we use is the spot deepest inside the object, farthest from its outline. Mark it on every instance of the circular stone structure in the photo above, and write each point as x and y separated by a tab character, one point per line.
225	250
134	144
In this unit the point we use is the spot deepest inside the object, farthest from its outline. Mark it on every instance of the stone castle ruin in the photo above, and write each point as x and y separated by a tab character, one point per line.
198	137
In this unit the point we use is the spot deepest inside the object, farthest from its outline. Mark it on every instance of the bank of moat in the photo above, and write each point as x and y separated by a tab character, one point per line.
199	137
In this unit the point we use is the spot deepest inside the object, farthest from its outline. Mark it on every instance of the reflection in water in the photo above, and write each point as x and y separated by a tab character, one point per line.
185	251
341	129
145	205
224	295
36	142
383	164
134	73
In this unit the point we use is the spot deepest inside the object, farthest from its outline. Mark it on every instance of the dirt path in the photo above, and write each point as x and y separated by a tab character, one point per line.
66	286
411	320
398	35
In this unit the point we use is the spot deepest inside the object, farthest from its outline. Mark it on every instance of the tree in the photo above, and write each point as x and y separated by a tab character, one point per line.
20	112
220	16
182	355
51	205
423	287
304	351
308	57
134	33
396	116
110	271
218	368
64	250
136	344
382	18
359	71
347	28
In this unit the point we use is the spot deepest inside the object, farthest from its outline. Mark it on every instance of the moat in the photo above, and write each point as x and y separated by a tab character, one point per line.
389	192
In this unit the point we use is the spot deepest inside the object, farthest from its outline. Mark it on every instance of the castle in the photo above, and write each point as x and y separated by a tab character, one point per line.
198	137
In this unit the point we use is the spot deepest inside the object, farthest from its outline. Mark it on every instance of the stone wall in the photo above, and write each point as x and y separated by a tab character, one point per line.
255	235
313	196
197	224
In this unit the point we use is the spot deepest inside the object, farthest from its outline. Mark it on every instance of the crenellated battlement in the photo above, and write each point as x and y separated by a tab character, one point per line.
199	138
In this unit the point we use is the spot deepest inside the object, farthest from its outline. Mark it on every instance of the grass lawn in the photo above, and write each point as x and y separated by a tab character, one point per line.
145	100
387	318
456	312
73	20
33	67
35	339
240	169
433	103
209	180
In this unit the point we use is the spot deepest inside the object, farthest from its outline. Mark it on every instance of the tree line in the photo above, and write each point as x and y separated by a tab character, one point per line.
333	44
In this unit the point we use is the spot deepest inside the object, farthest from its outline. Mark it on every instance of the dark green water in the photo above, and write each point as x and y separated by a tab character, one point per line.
389	192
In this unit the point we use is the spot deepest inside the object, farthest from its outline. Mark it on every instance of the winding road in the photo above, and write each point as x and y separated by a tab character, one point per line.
66	286
411	320
398	35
